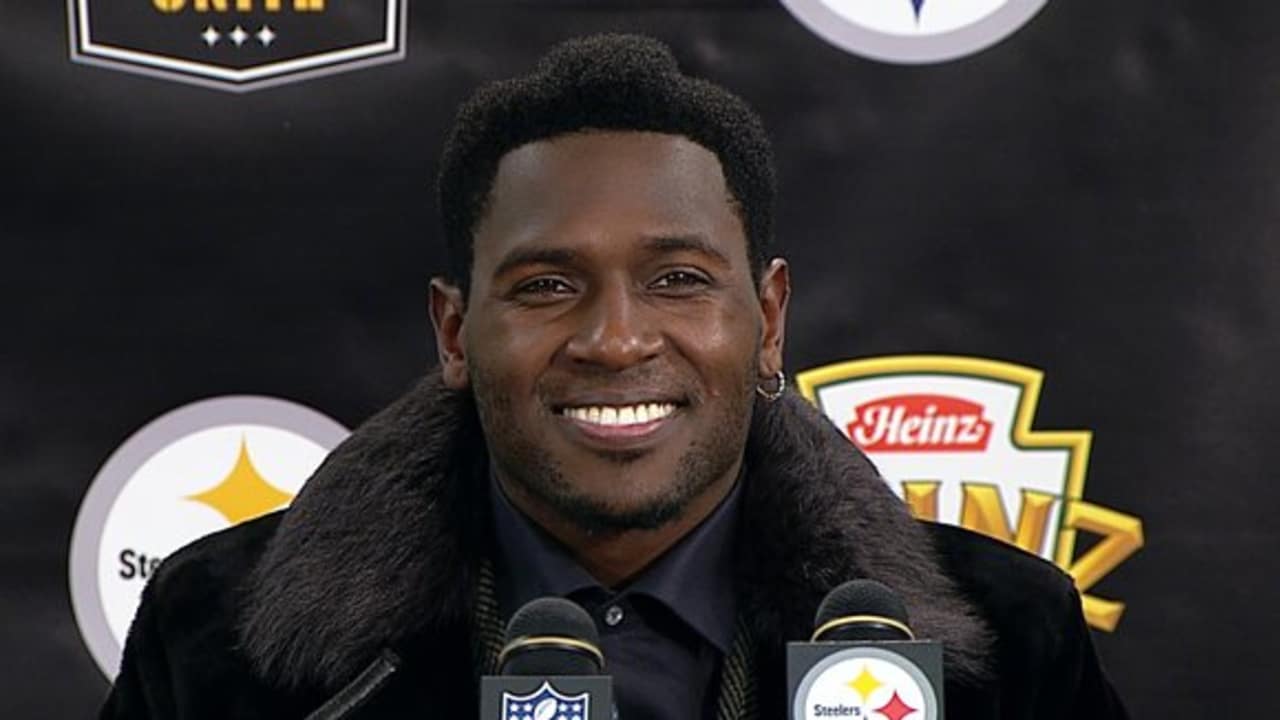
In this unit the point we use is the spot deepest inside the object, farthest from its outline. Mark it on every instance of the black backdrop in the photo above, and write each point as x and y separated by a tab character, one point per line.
1096	197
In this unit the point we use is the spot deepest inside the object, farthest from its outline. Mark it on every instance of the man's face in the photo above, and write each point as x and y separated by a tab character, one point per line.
613	335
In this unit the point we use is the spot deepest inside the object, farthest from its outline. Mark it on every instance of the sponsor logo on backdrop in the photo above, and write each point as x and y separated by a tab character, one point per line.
201	468
237	45
868	683
953	437
914	31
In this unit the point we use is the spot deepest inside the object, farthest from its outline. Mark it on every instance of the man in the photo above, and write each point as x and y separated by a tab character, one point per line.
610	422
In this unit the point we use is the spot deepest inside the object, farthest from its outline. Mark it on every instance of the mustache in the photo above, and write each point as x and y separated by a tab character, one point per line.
603	386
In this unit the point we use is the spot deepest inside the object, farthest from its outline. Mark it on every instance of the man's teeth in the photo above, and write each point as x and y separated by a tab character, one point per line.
620	415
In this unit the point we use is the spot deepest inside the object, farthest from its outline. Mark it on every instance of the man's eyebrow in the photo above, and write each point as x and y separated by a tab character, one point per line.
656	245
686	243
534	256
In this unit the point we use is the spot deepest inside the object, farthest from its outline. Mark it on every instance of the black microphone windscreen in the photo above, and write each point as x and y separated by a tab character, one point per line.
551	636
862	599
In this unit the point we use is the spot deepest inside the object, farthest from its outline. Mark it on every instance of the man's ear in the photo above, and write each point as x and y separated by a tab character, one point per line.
775	290
447	307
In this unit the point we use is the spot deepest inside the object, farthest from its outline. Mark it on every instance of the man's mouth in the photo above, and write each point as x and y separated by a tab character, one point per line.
619	415
616	426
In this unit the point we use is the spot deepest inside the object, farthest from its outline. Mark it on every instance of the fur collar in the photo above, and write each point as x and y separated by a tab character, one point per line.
384	542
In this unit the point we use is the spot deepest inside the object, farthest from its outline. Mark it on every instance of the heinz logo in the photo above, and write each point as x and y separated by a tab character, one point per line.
926	422
919	423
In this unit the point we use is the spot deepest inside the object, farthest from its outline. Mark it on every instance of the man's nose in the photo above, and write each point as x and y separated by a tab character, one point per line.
617	331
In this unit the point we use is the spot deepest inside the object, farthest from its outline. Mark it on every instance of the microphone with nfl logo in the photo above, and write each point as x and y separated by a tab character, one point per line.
863	661
551	667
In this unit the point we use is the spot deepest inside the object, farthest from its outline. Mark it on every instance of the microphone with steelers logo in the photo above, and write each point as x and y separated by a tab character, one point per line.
863	661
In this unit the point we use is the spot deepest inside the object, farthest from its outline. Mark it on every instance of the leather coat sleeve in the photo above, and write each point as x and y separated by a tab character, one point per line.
1075	685
142	690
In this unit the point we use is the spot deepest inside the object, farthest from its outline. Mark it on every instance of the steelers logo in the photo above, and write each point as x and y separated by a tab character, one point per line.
865	683
196	470
914	31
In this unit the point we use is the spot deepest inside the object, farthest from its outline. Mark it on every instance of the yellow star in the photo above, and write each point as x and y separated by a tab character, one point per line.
243	494
864	684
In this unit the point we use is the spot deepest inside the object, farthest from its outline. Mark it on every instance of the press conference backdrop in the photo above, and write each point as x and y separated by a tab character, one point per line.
1034	252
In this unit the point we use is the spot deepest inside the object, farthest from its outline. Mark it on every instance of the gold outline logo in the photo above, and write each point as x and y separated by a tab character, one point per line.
237	45
1120	535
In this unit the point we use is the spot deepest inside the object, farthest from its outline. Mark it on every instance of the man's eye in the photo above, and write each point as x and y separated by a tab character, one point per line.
680	279
545	286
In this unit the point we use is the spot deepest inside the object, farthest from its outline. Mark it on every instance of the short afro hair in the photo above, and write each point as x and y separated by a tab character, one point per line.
602	82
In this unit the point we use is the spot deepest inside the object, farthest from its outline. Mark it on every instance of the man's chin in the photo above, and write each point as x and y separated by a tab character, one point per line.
622	458
598	517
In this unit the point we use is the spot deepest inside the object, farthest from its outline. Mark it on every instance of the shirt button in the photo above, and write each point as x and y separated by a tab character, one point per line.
613	616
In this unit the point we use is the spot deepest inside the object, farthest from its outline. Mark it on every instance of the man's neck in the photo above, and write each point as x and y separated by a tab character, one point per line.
614	558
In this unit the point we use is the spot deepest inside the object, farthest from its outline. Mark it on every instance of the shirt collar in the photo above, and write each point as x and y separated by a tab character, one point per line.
531	563
694	578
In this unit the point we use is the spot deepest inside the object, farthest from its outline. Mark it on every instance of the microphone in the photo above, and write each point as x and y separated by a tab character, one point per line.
864	661
861	611
551	667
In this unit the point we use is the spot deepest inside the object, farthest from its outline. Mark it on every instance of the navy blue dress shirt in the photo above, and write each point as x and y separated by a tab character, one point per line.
663	634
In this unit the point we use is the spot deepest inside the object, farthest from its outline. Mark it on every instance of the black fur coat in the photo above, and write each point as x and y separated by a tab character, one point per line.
378	573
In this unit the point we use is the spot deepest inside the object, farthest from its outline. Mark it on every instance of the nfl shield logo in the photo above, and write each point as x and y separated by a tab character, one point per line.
545	703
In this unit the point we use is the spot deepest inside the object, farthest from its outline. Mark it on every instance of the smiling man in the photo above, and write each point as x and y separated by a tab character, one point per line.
610	423
612	334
